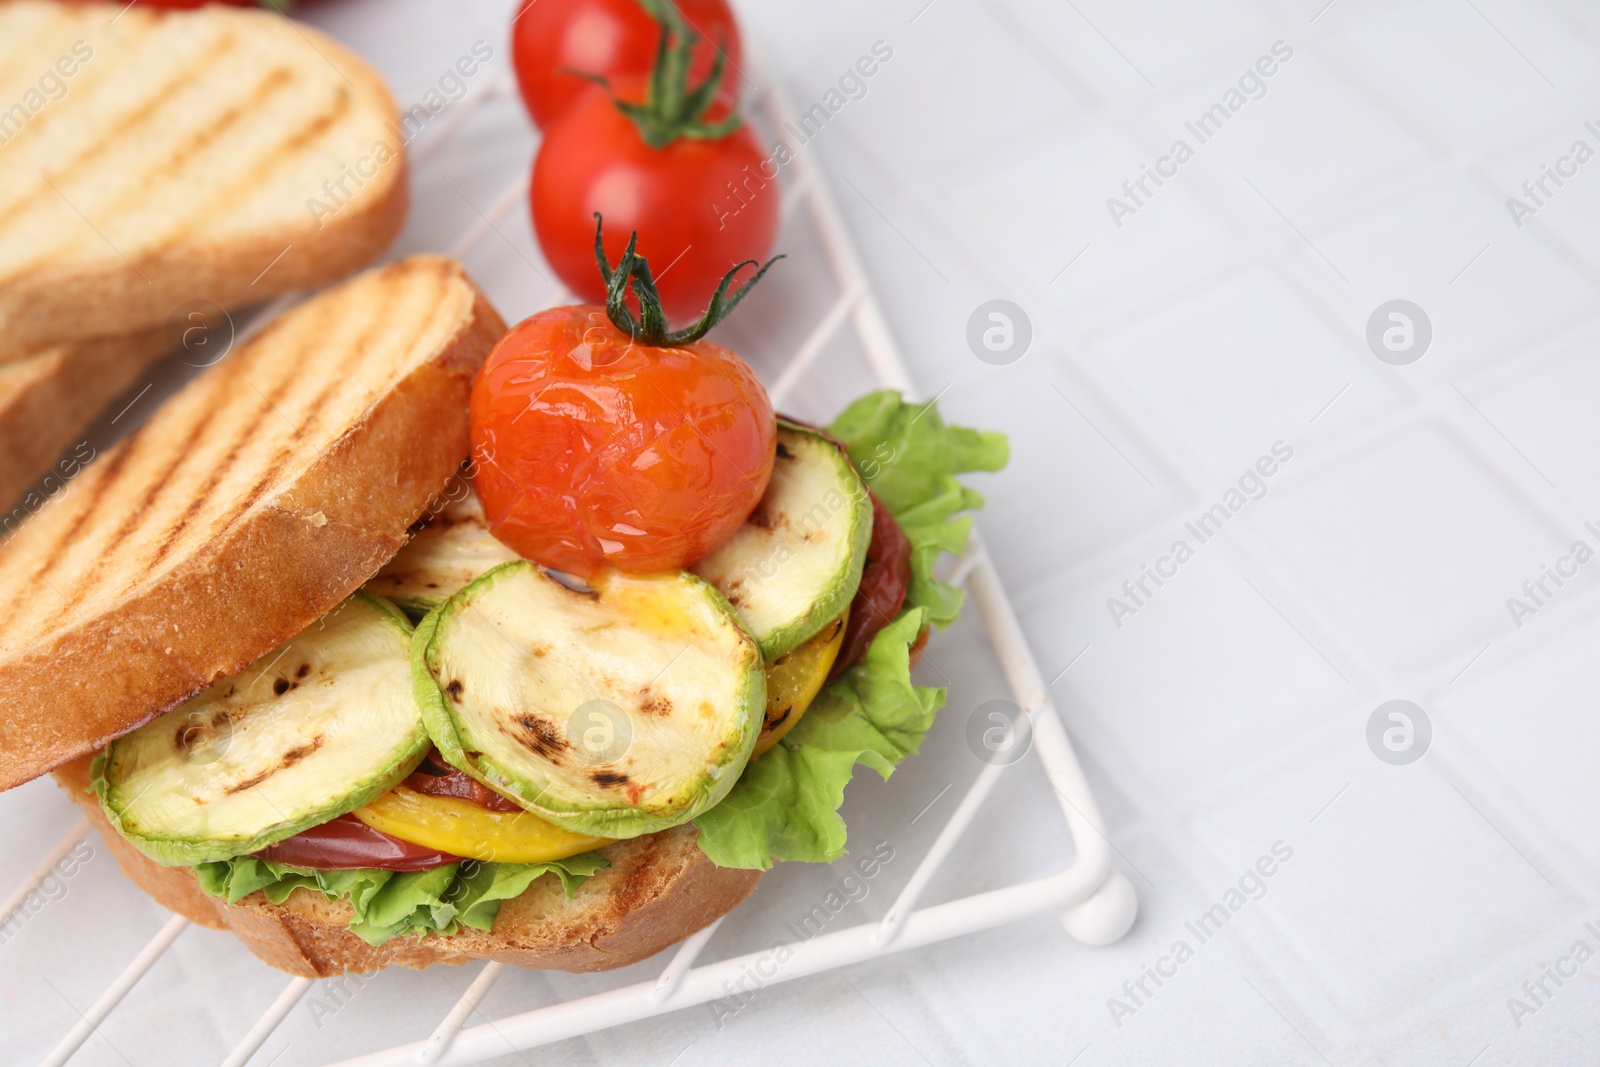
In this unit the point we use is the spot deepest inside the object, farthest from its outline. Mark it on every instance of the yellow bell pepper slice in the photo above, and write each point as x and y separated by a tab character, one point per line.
462	828
794	680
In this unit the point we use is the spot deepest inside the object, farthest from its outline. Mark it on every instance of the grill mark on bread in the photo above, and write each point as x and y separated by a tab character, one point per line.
90	74
400	292
126	124
237	513
215	127
174	533
220	470
289	369
47	31
388	371
227	382
353	352
251	174
89	583
132	519
640	882
255	173
87	502
335	382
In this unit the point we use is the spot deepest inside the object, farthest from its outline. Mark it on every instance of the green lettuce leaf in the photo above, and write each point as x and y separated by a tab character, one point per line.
786	804
909	458
389	903
908	455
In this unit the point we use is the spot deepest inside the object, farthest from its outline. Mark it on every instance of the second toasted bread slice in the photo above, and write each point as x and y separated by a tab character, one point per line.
155	157
246	508
47	399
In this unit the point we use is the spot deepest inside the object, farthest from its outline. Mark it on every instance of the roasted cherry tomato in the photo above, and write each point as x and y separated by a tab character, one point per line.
346	843
593	449
466	829
612	38
882	593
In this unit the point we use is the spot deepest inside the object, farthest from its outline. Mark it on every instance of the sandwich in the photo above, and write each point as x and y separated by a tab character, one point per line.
154	158
401	638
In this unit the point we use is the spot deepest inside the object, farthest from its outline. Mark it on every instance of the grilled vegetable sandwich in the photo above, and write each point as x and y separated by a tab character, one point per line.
398	638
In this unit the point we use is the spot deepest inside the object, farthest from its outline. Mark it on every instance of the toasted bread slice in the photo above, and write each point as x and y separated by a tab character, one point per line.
47	399
242	511
156	157
659	889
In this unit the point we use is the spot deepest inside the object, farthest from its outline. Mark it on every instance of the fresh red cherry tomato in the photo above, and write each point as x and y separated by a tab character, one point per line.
612	38
593	449
664	156
690	227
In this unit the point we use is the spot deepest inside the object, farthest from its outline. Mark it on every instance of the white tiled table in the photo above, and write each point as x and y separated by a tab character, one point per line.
1229	713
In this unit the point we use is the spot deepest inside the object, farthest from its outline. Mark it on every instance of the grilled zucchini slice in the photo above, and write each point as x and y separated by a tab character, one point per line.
445	555
795	564
316	728
616	710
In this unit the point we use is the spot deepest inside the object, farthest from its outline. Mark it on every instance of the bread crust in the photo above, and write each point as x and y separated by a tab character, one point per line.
65	301
287	560
659	889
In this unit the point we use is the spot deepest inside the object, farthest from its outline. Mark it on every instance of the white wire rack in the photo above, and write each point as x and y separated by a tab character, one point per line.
1097	903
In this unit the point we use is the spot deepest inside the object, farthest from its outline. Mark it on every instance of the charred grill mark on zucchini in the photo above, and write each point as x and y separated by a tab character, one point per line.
287	760
542	737
653	704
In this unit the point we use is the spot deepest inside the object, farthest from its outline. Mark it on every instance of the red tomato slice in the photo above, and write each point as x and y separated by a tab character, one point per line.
347	844
439	779
884	582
